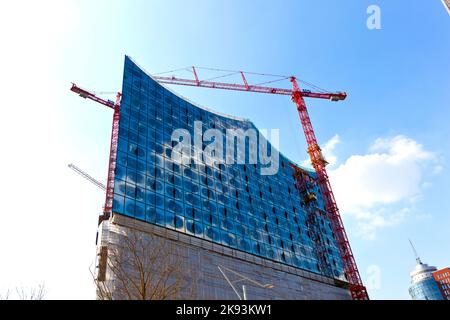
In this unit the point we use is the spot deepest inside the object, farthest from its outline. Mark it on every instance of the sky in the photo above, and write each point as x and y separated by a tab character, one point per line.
387	144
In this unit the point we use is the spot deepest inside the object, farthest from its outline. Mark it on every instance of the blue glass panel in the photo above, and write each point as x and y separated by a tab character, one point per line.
232	205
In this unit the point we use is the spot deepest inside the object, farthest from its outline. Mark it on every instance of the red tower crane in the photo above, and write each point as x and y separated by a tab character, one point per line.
356	287
113	148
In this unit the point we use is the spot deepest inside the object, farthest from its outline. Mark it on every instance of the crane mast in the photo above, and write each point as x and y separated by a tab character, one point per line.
356	287
319	164
113	147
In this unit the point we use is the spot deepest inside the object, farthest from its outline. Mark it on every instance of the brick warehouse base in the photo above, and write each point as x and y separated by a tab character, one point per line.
204	257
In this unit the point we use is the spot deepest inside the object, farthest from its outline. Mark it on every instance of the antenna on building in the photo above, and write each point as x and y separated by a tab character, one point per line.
415	252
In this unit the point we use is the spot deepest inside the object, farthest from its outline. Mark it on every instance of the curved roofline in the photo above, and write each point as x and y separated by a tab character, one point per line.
215	112
187	99
422	268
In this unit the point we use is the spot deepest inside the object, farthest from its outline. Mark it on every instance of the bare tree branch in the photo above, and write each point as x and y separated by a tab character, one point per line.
144	266
37	293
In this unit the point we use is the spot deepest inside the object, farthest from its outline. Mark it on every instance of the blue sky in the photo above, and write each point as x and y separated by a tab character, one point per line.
389	142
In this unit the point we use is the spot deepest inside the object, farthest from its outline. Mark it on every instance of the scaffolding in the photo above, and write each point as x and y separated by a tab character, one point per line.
306	187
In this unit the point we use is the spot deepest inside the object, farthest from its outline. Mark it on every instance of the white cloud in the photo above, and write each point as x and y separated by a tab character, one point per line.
328	152
379	189
438	169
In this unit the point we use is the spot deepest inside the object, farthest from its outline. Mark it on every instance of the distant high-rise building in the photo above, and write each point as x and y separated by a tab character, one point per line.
423	285
442	277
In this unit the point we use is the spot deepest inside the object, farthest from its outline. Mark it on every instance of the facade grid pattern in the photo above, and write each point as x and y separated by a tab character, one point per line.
230	205
427	289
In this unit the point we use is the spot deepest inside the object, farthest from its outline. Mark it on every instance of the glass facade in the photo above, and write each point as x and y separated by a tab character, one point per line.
232	205
427	289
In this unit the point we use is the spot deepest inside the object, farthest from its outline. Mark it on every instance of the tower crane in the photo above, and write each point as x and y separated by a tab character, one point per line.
356	287
113	147
87	177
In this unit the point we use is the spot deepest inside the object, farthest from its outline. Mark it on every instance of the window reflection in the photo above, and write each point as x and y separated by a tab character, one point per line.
232	205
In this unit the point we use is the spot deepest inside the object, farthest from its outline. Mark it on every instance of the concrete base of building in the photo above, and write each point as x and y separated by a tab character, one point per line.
204	257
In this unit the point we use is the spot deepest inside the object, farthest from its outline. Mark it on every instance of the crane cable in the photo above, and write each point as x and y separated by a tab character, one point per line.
232	72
